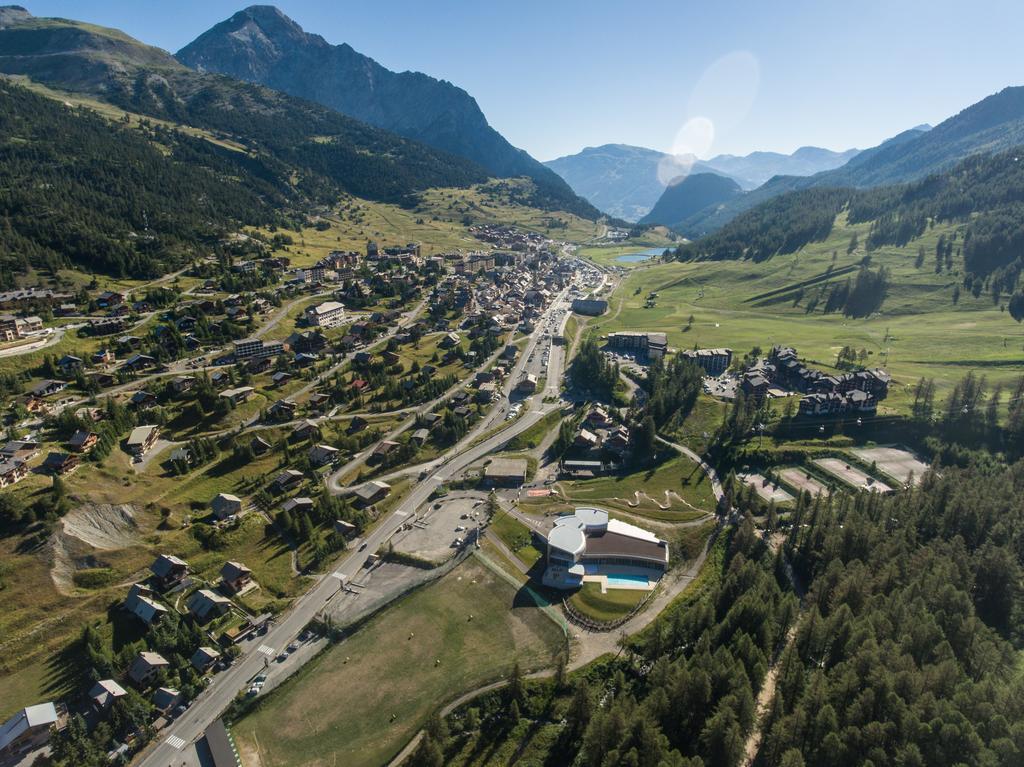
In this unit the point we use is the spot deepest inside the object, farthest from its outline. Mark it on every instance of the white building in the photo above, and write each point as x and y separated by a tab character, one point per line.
588	546
329	314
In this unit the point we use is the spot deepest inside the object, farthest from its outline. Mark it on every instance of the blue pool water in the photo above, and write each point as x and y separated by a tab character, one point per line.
626	580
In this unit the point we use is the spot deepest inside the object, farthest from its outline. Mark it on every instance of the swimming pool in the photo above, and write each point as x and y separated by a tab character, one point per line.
626	580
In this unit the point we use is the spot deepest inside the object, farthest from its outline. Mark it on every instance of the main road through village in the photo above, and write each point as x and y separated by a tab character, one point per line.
205	710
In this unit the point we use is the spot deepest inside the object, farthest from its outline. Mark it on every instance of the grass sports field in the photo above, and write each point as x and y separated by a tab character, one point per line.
740	304
338	712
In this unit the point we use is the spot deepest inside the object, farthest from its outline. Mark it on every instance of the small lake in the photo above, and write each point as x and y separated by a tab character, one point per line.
642	255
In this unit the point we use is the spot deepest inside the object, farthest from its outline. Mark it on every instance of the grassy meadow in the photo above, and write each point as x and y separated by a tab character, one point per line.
360	701
919	331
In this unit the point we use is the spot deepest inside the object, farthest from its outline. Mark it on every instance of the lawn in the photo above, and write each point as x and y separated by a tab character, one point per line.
615	604
533	436
516	536
740	305
360	701
679	476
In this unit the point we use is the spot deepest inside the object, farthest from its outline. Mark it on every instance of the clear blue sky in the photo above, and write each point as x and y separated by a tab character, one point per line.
557	75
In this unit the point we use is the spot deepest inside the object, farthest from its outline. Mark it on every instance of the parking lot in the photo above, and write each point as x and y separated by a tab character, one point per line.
432	535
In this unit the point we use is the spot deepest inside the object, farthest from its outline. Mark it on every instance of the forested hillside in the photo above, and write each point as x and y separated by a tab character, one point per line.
260	44
983	193
905	650
318	149
81	191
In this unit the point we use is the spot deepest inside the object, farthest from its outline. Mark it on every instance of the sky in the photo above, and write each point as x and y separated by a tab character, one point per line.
554	76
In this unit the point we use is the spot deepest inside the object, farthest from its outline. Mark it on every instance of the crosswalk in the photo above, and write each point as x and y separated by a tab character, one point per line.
176	743
268	651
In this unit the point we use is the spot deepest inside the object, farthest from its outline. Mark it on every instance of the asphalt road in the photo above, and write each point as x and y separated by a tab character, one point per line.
204	711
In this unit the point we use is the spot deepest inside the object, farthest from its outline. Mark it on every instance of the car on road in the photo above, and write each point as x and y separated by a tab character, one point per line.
282	657
362	546
293	647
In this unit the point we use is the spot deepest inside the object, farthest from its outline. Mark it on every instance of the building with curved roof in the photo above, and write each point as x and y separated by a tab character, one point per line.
588	545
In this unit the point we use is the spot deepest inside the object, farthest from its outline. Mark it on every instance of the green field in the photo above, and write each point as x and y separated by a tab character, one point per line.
740	304
516	537
362	711
678	475
615	604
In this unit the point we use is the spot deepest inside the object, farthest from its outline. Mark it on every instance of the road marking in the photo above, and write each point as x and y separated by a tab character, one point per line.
401	513
268	651
176	743
339	575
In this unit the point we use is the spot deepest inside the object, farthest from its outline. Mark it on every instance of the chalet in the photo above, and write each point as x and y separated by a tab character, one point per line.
282	410
484	376
299	505
382	450
20	449
309	342
528	384
430	420
286	480
205	605
598	418
70	365
168	571
142	438
12	471
420	436
359	385
145	667
203	658
141	603
237	396
587	439
617	439
143	400
104	357
371	492
220	378
128	342
225	505
449	340
280	378
47	388
305	429
104	693
321	455
755	386
235	576
486	393
101	379
259	446
318	401
60	463
108	299
343	528
362	358
258	365
165	699
182	384
83	441
462	412
139	362
28	730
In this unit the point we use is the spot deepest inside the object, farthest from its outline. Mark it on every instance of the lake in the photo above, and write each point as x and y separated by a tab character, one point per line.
642	255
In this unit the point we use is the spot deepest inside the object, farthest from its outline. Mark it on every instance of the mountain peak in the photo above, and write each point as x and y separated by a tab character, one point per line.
262	45
13	14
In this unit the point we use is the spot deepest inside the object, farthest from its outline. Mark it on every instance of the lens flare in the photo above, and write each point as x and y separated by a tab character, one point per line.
693	140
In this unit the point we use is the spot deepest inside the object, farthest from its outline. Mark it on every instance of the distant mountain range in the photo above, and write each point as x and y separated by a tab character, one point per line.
626	181
262	45
691	195
993	124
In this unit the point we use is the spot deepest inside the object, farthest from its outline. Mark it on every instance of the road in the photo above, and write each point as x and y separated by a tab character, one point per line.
211	703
